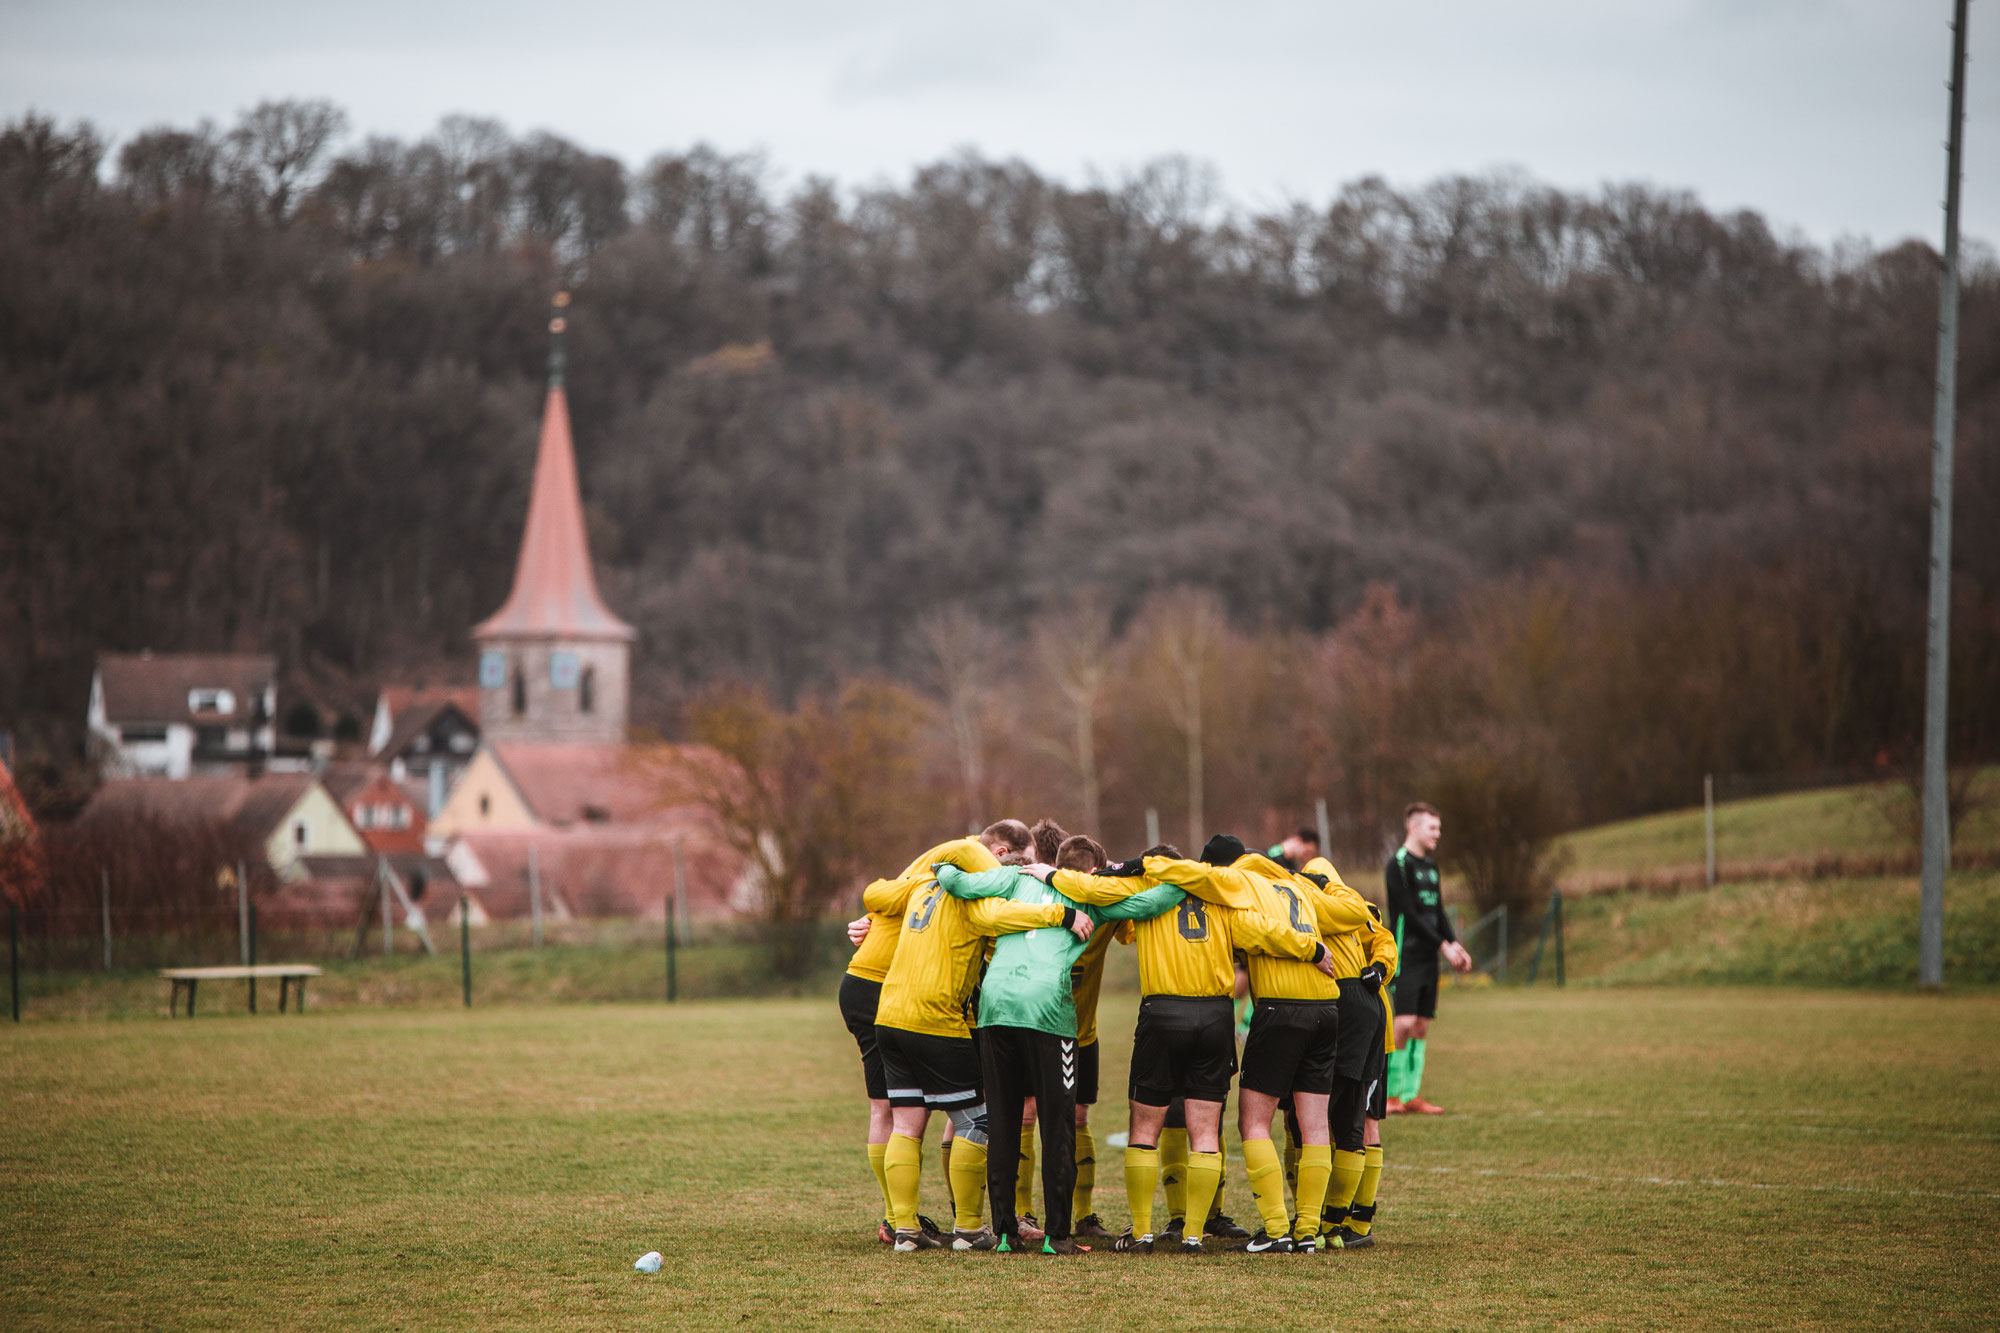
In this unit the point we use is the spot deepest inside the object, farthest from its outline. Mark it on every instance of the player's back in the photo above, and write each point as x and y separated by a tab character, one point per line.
1187	951
936	964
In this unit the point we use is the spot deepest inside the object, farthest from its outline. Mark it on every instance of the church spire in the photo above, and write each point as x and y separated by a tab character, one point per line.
555	589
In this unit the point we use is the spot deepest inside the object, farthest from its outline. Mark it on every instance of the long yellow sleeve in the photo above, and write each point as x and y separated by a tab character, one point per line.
968	854
1004	916
1098	890
1224	886
1254	932
889	895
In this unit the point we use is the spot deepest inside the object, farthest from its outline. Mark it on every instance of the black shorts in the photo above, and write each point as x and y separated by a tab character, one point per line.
1361	1027
1378	1084
858	1000
1291	1047
1417	993
1086	1075
922	1069
1184	1046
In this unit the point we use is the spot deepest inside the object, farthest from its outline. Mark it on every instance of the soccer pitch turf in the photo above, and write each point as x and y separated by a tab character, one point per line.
1616	1158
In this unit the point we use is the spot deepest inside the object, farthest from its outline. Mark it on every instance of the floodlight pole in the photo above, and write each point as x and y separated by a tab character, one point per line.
1937	658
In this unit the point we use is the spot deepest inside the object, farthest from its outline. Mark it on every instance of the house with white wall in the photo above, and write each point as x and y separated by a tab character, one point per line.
178	715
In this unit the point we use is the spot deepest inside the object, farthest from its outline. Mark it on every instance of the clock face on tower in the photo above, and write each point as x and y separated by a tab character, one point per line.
492	670
563	670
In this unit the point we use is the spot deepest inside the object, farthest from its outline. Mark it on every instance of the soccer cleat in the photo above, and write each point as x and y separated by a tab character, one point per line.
928	1227
1350	1239
1262	1243
1175	1226
885	1233
906	1241
1224	1227
1131	1244
1030	1229
1003	1247
982	1239
1418	1106
1063	1246
1091	1227
1192	1245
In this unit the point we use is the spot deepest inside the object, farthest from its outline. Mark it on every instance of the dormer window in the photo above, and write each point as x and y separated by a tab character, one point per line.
219	702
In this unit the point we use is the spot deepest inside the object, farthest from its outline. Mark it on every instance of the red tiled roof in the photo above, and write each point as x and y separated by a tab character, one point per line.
610	870
254	804
402	697
590	783
555	589
154	687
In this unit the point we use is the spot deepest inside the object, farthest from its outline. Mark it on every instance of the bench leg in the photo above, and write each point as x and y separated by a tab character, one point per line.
302	994
173	997
284	990
192	983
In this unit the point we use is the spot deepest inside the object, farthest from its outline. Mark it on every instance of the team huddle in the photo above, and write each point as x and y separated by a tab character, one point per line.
973	992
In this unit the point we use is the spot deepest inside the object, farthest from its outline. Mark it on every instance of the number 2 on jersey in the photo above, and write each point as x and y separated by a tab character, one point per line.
1299	922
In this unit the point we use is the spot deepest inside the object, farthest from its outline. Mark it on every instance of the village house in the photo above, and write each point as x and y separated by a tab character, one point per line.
426	735
175	715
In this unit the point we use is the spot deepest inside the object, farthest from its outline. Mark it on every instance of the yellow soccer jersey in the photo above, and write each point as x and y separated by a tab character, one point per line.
886	899
1346	922
1086	982
1287	978
938	953
1191	950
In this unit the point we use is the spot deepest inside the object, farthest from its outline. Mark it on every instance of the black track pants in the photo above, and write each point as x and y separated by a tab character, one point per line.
1019	1063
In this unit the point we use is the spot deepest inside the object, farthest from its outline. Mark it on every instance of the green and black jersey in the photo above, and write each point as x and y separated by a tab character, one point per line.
1416	910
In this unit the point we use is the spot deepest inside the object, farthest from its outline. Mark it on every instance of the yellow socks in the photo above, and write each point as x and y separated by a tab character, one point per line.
1315	1169
1204	1173
1086	1173
902	1167
1347	1169
1362	1215
1267	1184
1142	1173
877	1152
1173	1170
1292	1168
968	1183
1024	1175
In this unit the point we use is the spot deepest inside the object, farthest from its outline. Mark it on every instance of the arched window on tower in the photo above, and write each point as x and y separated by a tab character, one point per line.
586	690
520	690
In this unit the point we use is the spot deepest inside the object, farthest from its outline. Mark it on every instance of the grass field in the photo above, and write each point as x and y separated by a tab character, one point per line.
1859	821
1628	1158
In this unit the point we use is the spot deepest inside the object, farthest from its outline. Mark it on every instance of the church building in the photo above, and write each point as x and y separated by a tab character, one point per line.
555	790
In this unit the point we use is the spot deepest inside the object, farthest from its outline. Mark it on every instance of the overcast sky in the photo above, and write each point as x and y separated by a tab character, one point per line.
1826	115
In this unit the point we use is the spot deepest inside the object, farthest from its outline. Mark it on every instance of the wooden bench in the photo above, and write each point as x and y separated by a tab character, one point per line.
286	973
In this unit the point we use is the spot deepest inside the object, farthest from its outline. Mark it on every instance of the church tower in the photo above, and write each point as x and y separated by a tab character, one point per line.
554	662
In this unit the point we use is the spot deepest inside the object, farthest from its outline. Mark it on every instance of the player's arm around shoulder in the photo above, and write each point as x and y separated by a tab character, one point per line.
1254	932
998	882
1003	916
968	854
1219	886
889	896
1141	906
1096	890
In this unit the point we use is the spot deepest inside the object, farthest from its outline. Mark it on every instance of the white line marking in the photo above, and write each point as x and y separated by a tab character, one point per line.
1669	1182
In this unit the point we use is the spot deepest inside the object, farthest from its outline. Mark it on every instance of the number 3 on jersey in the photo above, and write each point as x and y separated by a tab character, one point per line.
1193	920
920	915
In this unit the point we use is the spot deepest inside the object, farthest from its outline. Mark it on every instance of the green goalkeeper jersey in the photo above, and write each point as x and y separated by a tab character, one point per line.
1027	980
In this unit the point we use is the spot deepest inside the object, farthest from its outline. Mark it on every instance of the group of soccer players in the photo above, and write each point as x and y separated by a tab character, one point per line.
973	992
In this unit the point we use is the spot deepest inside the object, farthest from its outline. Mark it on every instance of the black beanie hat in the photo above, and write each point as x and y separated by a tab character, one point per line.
1222	850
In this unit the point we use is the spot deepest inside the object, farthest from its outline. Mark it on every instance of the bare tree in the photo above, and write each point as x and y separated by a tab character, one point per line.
276	149
1075	650
958	651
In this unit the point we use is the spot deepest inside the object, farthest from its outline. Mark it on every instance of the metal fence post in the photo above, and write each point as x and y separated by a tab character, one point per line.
535	893
465	944
1541	938
673	976
1504	914
242	914
14	957
1708	822
1556	911
253	957
388	924
675	906
104	892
